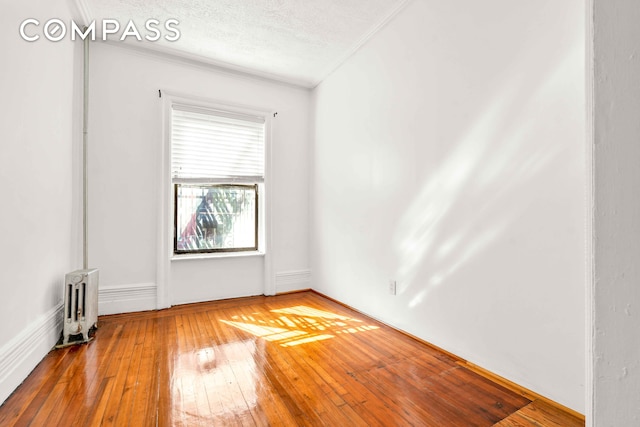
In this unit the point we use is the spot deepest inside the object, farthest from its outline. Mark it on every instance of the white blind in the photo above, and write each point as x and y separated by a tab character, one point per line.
208	145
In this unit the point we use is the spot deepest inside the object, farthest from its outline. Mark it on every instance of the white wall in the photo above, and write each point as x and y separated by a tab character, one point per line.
126	139
449	155
38	221
616	214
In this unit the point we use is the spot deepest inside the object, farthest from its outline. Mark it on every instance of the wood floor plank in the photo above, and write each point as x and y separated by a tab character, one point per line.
121	367
126	408
94	367
291	360
166	369
540	414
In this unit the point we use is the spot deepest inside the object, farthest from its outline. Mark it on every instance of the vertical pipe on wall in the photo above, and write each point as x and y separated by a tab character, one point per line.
85	122
589	220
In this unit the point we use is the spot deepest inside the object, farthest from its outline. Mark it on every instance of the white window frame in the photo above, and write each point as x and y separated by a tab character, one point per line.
166	197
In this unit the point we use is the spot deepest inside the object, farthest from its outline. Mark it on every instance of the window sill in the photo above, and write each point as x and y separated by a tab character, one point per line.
241	254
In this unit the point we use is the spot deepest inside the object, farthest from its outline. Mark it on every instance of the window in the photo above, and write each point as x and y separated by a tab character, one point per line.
217	169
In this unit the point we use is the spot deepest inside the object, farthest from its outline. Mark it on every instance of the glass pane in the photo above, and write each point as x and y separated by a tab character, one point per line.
213	218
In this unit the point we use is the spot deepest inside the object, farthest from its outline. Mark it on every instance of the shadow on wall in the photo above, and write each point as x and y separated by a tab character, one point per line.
482	179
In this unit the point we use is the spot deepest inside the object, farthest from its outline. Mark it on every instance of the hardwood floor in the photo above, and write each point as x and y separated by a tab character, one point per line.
291	360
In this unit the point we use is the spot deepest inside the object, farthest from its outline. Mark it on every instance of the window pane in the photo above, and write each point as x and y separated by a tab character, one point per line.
210	218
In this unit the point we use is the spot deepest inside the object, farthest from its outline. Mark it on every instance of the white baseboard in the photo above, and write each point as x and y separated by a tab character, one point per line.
294	280
22	354
127	298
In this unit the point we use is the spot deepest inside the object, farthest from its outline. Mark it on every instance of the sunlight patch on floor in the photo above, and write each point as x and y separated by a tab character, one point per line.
297	325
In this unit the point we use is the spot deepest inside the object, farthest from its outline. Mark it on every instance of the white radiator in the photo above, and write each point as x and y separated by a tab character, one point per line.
80	304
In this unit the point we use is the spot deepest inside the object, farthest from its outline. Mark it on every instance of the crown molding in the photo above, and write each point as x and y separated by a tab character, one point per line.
185	58
83	10
360	42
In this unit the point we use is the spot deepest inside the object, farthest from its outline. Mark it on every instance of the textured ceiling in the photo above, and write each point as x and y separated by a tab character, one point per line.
299	41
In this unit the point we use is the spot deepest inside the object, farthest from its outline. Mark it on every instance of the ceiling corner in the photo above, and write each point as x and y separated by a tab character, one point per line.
377	27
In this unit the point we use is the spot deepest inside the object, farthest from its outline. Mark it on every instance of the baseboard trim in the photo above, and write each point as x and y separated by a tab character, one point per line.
296	291
127	298
497	379
22	354
293	280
